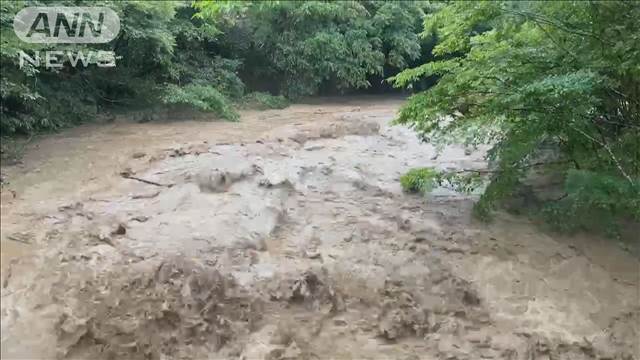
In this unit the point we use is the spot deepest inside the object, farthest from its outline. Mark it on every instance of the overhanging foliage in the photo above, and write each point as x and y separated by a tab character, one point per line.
530	77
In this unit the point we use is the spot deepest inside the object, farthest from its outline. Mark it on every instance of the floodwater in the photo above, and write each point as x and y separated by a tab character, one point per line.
287	236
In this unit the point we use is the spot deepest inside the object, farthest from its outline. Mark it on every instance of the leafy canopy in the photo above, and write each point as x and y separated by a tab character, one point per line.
303	46
539	78
208	55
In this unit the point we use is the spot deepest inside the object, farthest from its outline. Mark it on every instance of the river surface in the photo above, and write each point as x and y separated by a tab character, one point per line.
287	236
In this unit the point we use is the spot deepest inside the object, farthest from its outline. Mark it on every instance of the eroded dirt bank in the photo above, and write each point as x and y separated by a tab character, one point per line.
300	244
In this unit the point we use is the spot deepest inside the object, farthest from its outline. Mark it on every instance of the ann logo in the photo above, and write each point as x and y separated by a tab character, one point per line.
67	25
42	26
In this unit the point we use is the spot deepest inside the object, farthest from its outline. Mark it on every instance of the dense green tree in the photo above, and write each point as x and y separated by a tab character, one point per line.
36	98
197	54
302	47
537	77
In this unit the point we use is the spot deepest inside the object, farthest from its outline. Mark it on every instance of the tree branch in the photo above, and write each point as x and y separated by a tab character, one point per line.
608	149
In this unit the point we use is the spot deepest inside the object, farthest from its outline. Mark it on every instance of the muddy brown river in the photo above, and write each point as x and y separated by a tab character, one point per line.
287	236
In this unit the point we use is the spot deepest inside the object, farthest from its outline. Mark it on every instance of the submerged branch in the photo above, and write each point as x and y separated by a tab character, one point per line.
128	176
